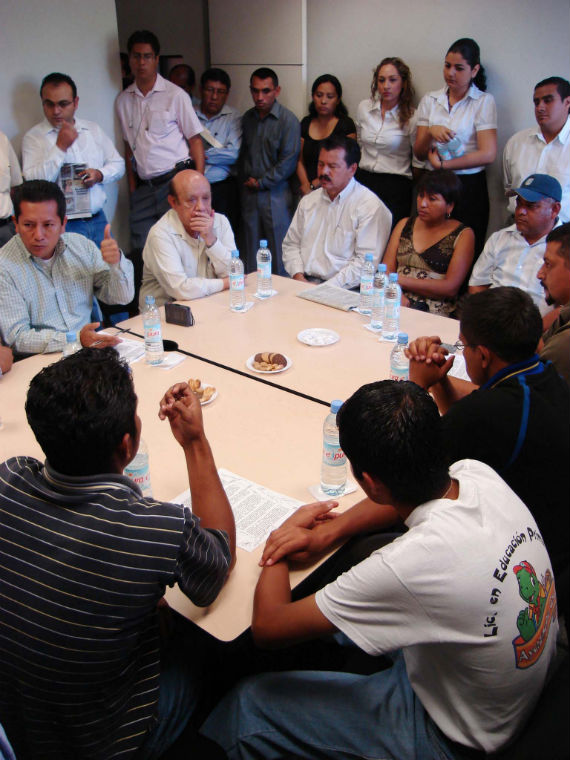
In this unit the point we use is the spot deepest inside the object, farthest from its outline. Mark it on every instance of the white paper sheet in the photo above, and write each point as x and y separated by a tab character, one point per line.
257	510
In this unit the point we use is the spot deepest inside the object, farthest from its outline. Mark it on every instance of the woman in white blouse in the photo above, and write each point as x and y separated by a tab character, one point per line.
385	128
457	130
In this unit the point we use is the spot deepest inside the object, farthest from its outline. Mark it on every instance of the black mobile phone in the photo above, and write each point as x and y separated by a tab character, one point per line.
177	314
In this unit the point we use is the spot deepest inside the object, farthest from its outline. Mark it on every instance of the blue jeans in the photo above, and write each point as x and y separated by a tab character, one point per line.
92	227
312	714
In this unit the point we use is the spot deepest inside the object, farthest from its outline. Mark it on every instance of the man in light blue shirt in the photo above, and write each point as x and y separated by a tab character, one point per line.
48	279
222	141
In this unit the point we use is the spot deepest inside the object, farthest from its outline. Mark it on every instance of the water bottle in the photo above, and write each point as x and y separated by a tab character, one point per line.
399	362
334	465
153	347
379	286
392	298
366	283
237	283
452	149
71	344
264	288
138	470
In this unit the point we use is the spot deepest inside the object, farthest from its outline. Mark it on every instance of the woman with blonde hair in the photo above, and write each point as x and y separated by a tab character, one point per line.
385	128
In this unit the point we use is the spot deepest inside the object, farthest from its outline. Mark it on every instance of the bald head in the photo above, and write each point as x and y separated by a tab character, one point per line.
190	194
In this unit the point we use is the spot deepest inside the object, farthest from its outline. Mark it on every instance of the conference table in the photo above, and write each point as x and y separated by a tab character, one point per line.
321	373
266	428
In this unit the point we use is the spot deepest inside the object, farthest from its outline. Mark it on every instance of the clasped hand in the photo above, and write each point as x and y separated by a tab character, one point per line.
429	361
299	537
182	409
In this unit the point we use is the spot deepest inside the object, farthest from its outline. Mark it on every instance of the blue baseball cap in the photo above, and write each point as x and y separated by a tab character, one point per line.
536	187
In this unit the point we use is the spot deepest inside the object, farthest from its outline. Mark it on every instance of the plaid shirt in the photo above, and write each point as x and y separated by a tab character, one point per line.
38	305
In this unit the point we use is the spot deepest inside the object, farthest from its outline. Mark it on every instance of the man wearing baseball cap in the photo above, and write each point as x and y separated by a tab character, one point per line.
513	255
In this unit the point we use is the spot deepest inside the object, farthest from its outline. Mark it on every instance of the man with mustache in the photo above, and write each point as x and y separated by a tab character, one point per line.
337	224
512	256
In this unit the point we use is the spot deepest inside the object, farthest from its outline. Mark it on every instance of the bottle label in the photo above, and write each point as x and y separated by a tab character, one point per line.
153	334
140	476
333	455
391	309
366	284
264	269
399	373
237	281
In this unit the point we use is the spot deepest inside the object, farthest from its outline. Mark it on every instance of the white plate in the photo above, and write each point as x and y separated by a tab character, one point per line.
249	365
318	336
214	396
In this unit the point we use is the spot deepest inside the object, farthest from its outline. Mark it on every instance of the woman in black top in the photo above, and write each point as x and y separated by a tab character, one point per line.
327	115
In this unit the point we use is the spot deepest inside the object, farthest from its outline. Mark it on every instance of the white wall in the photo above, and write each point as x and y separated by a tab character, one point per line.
522	42
77	37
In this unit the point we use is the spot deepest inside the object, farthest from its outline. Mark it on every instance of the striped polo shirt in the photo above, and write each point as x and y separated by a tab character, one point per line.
83	563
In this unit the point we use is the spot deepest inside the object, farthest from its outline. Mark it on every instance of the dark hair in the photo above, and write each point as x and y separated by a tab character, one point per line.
188	69
348	144
469	50
216	75
562	85
441	181
57	78
561	235
505	320
79	409
143	37
265	73
392	431
407	93
38	191
341	109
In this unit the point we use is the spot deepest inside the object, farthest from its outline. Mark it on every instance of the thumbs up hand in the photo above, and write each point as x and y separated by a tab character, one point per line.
109	249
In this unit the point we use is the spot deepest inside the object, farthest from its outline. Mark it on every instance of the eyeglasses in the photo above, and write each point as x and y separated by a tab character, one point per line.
459	345
216	90
60	104
143	56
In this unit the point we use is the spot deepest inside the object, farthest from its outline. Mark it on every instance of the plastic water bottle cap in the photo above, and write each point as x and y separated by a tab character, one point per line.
381	267
149	300
393	277
336	405
70	337
263	243
235	254
368	257
402	338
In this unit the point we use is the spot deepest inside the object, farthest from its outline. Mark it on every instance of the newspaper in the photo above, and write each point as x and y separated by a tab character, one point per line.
257	510
331	295
77	200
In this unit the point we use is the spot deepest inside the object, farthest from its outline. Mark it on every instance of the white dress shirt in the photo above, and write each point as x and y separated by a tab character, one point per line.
386	147
328	239
527	152
42	159
178	267
157	126
10	175
508	259
473	113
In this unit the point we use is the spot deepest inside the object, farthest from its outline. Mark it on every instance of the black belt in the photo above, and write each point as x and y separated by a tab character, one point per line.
162	178
4	222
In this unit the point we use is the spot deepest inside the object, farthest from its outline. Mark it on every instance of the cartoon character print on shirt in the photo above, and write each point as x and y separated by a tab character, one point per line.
534	621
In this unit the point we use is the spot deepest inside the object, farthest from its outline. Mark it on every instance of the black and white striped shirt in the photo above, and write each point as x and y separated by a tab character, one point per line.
83	563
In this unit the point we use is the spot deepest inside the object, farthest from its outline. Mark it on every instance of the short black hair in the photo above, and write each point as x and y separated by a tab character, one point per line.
79	409
504	320
341	142
442	182
561	235
38	191
265	73
56	78
143	37
189	71
392	431
562	85
216	75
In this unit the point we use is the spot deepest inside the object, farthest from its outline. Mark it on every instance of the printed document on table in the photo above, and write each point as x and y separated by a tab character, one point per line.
257	510
331	295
